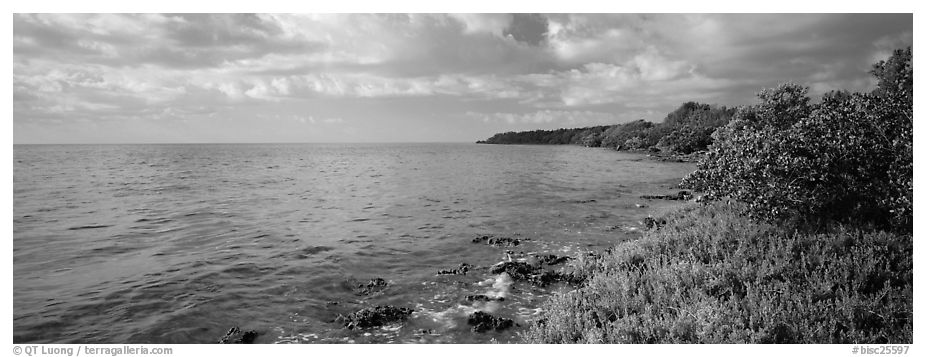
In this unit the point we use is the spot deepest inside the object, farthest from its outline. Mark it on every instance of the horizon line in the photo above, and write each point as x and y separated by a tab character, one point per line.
255	143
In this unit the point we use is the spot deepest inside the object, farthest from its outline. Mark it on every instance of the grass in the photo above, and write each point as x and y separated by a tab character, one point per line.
711	275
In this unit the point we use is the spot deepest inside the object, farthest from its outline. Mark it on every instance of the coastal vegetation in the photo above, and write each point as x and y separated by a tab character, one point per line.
710	276
804	235
685	130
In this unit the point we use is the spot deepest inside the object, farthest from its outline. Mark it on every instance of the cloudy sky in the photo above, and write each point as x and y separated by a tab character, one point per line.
411	78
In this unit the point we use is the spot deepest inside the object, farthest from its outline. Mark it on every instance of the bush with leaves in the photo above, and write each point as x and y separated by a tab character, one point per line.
689	128
617	136
848	158
711	275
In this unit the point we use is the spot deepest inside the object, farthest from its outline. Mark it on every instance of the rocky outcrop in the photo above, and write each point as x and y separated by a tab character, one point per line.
375	316
236	335
522	271
551	259
461	270
483	322
516	270
374	285
497	241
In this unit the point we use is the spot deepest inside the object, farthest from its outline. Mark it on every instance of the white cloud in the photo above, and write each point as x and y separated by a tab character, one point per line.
135	66
483	23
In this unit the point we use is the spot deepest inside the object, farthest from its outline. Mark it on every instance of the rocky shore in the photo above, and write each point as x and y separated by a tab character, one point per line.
538	269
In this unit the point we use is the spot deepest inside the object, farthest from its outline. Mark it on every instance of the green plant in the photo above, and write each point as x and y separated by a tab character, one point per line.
712	275
848	158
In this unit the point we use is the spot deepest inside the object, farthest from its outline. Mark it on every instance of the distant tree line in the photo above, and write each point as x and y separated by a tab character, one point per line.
576	136
846	158
687	129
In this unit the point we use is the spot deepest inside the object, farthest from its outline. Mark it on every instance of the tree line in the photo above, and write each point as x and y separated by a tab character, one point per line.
685	130
845	158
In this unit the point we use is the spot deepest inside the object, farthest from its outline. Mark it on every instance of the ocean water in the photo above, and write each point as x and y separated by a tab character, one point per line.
178	243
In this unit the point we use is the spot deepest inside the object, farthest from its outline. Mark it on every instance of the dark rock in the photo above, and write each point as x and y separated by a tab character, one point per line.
483	322
504	241
375	284
458	271
480	297
482	238
510	254
375	316
551	277
497	241
551	259
517	270
652	223
235	335
680	196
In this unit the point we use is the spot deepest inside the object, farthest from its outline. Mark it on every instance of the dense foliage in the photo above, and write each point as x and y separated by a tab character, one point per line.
579	136
685	130
689	128
712	276
848	158
715	275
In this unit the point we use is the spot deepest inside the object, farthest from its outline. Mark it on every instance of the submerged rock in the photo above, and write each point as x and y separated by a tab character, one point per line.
551	259
516	270
482	238
497	241
483	322
481	297
374	285
458	271
680	196
376	316
235	335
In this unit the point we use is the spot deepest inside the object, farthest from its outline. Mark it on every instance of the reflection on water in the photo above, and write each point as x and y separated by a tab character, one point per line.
177	243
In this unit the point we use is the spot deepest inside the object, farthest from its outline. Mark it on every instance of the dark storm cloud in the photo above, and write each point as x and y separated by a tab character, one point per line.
528	28
798	45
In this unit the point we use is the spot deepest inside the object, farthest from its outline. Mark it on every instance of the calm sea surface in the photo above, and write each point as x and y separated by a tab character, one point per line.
178	243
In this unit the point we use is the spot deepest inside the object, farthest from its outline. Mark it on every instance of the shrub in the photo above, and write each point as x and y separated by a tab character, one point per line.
689	128
848	158
713	276
619	134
